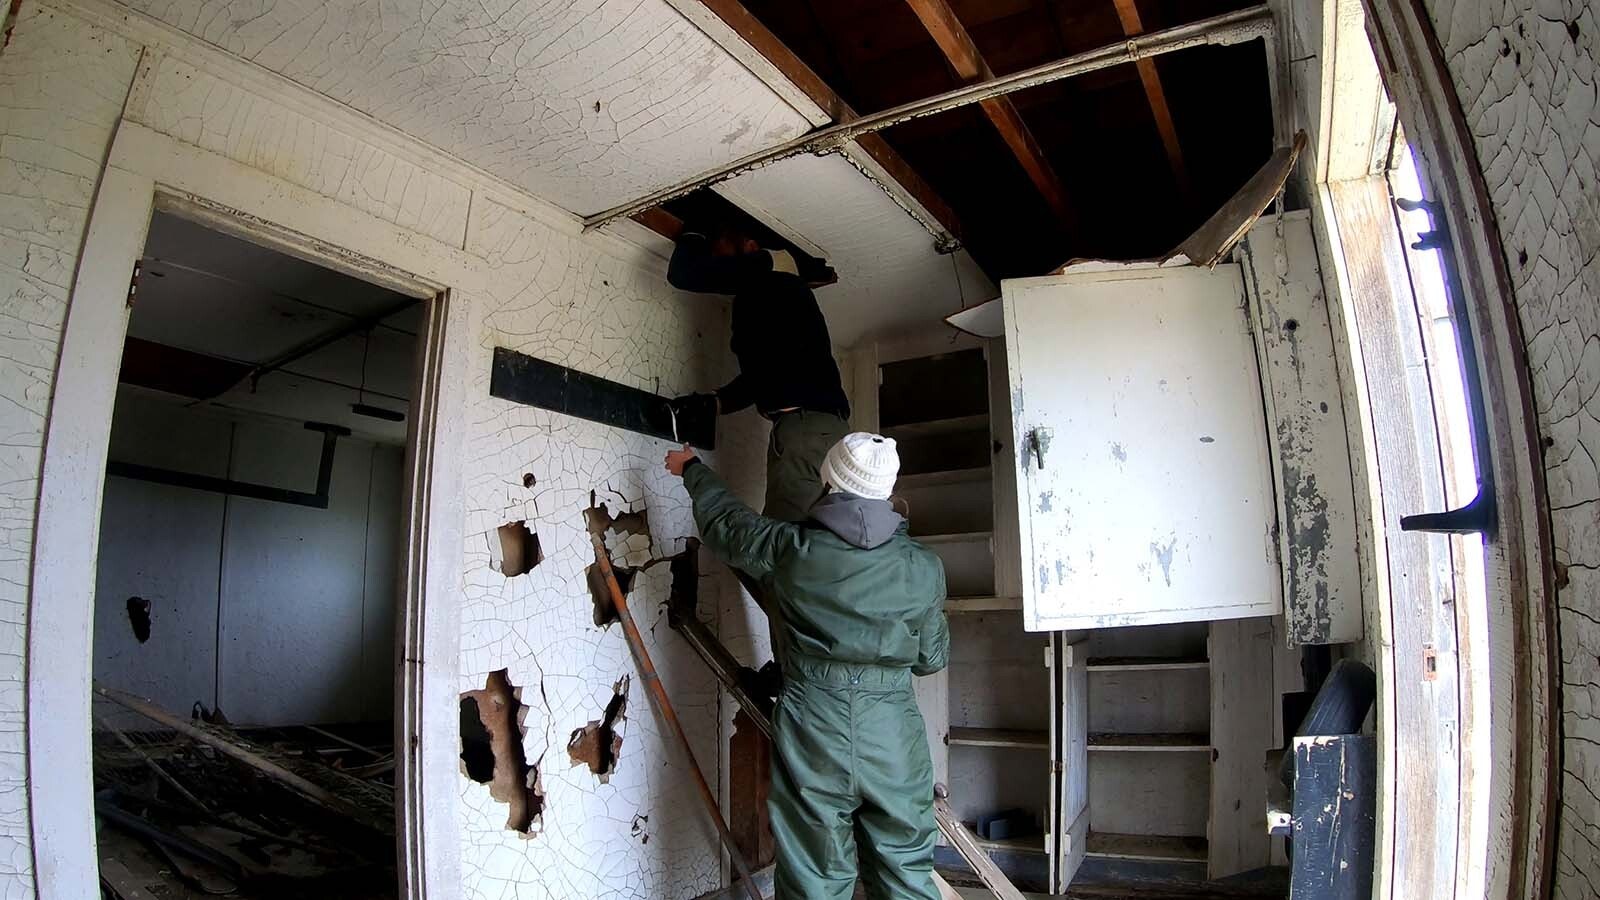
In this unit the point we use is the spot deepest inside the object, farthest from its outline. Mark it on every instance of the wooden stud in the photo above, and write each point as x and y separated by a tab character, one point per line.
958	47
1132	26
1241	734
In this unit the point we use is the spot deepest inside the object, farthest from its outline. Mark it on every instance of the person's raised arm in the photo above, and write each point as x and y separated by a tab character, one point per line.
737	534
694	268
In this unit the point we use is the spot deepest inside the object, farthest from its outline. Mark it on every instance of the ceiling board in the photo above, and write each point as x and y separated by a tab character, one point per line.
585	103
890	278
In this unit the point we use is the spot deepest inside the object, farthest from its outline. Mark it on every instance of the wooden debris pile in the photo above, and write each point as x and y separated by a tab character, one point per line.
190	807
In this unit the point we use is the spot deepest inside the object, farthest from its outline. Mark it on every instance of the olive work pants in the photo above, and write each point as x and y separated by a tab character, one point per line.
795	448
851	779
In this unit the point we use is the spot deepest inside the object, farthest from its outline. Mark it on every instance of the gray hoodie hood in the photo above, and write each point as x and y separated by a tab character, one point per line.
858	521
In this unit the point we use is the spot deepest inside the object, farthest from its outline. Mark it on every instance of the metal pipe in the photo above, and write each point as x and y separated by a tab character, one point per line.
1229	28
665	711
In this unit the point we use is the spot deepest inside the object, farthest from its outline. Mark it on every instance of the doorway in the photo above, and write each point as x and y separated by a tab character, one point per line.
247	588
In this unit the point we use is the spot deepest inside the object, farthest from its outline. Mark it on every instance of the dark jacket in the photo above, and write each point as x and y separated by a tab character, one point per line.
852	587
779	335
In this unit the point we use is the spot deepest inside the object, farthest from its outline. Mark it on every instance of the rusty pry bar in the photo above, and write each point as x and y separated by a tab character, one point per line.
663	706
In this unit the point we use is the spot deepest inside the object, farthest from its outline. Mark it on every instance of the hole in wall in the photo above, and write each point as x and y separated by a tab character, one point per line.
605	610
477	751
528	480
600	522
499	712
599	743
1572	30
519	550
139	617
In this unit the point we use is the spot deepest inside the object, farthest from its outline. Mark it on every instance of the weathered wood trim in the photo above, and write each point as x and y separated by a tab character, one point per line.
1517	853
1306	417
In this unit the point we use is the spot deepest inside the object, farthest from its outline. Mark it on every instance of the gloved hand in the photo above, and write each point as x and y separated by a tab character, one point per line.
817	273
695	406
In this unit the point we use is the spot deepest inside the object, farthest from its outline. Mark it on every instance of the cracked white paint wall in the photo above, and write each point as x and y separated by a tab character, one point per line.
585	302
1526	75
61	90
584	103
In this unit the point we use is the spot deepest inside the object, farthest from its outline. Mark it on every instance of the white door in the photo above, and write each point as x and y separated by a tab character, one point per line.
1144	481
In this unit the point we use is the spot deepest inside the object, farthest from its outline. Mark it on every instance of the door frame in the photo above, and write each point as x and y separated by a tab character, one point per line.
146	172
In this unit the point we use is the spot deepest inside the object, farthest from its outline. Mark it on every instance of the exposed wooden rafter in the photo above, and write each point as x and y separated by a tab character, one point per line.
743	23
1132	26
959	49
1250	24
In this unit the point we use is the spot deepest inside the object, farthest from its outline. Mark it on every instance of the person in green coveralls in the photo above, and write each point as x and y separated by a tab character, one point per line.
862	612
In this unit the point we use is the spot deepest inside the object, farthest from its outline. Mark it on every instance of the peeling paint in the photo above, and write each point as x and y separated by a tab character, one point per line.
1118	453
598	744
1163	555
512	780
1044	501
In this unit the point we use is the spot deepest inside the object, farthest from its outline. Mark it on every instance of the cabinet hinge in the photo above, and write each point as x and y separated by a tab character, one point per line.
133	283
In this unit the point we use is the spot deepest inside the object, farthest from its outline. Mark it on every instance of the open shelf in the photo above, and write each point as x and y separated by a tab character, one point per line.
1146	847
999	737
949	476
1145	663
1123	742
911	430
1033	843
963	537
955	605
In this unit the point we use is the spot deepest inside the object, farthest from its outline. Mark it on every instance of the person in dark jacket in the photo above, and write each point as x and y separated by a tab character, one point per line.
863	611
786	365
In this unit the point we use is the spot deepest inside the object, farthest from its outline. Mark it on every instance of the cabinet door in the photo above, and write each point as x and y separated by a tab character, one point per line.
1144	481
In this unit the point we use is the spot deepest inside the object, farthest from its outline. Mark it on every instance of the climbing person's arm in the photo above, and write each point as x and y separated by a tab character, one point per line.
694	268
737	534
933	650
736	394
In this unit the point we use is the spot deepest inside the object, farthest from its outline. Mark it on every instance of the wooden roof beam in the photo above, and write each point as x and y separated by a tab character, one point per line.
1128	15
1237	27
957	46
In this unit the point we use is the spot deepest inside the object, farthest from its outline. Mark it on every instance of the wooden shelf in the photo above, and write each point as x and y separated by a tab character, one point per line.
964	537
950	476
937	427
1146	847
1122	742
1145	663
999	737
957	605
1033	843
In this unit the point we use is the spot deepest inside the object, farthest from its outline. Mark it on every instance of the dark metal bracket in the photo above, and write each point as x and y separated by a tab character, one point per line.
1481	516
315	500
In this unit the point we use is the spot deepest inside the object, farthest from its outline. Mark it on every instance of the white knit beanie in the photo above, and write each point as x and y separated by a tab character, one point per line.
862	464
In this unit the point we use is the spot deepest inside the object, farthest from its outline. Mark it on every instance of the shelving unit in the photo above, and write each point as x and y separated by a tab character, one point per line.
1149	743
1000	737
989	712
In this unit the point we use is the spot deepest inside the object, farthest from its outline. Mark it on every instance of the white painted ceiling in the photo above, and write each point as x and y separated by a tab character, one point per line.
217	295
589	104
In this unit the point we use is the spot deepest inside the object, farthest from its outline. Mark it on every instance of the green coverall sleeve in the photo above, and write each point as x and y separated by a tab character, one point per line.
737	534
934	652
